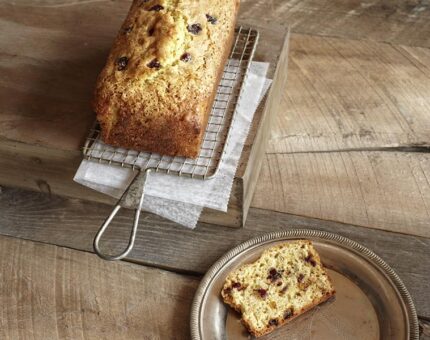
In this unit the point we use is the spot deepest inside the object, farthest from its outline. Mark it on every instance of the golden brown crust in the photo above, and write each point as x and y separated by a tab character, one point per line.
164	107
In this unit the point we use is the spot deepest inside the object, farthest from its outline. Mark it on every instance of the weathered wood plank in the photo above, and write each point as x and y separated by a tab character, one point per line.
368	100
384	190
345	94
394	21
49	292
73	223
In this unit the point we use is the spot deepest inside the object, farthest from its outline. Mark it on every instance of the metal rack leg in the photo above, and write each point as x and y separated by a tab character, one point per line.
133	196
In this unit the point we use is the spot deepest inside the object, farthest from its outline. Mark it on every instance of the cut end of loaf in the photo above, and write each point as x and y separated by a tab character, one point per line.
286	281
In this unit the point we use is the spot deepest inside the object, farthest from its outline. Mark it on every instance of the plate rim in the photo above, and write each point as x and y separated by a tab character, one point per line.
303	233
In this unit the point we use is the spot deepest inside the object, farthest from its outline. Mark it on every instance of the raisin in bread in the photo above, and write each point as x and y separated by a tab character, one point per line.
157	88
286	281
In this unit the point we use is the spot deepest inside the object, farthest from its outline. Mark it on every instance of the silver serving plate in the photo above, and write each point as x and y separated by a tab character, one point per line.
371	301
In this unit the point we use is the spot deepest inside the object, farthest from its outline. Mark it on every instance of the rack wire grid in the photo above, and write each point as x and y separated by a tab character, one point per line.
215	139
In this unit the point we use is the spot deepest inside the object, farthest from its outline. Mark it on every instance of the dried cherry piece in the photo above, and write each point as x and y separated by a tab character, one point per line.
194	28
262	292
186	57
211	19
310	260
154	63
273	322
156	8
122	63
288	313
274	275
127	30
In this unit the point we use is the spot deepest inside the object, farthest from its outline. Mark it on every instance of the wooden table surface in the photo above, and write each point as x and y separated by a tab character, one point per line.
349	153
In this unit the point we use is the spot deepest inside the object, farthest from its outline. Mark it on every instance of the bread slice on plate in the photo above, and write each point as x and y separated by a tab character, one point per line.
286	281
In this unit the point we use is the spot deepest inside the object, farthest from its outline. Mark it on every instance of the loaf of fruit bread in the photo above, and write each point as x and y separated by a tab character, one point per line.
286	281
156	90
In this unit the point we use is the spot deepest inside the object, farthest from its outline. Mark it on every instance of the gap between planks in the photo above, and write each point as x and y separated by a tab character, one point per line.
50	292
344	94
160	243
411	148
383	190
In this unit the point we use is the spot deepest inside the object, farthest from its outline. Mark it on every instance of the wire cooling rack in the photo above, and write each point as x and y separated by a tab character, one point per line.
204	166
215	139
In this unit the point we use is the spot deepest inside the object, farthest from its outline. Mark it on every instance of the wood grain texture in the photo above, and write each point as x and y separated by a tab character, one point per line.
384	190
394	21
345	94
160	243
48	292
352	141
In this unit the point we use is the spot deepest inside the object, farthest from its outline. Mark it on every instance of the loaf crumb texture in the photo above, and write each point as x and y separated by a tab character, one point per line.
287	280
